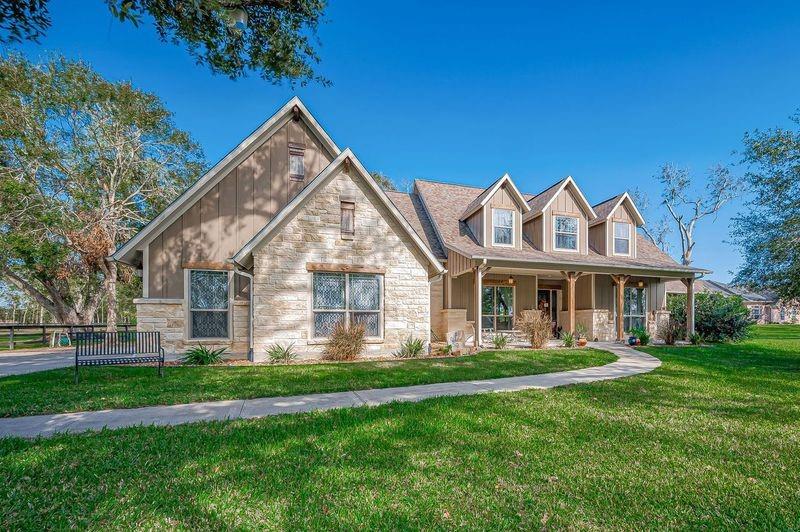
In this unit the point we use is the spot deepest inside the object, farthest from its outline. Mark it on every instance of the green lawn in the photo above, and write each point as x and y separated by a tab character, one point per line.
125	387
710	440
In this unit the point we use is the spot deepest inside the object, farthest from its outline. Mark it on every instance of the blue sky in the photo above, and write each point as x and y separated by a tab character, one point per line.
458	92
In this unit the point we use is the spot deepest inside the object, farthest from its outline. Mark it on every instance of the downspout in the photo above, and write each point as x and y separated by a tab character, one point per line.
250	290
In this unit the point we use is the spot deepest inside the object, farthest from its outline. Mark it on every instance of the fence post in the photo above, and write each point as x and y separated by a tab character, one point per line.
11	339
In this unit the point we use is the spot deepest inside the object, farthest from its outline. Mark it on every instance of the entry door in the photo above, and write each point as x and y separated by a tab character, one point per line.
547	301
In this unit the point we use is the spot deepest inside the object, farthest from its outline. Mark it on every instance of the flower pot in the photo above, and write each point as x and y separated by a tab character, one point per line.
582	342
632	340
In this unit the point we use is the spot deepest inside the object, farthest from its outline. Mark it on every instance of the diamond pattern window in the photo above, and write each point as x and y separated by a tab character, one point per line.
349	298
208	304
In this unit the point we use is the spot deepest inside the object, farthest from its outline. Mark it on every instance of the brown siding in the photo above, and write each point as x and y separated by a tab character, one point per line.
502	199
620	214
475	224
583	292
229	214
597	238
533	230
566	204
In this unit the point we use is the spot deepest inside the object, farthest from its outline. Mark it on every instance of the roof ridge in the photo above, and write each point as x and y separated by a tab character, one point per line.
439	182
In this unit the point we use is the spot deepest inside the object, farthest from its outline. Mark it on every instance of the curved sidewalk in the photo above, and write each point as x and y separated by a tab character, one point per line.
630	362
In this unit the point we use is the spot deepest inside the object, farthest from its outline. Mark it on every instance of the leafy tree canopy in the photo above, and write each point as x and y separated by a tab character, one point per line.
84	163
277	40
768	231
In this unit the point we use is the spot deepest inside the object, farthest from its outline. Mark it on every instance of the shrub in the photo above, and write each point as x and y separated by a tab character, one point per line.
568	338
536	326
346	343
670	332
642	334
411	348
717	318
279	354
201	355
696	338
500	341
446	350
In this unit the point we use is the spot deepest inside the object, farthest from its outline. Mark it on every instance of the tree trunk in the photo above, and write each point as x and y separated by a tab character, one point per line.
111	296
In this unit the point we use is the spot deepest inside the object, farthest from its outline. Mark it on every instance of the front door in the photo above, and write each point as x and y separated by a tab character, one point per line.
547	302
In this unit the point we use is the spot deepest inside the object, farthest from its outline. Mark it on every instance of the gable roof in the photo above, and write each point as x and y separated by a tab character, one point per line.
443	203
207	181
267	232
606	208
543	200
486	195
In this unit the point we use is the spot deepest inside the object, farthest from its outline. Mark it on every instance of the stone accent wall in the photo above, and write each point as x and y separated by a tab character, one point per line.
282	288
168	317
595	321
656	321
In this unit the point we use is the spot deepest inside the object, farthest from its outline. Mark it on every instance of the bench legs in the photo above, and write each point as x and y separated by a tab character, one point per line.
76	374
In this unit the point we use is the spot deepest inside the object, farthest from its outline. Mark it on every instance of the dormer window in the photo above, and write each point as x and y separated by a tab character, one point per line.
502	227
622	238
566	233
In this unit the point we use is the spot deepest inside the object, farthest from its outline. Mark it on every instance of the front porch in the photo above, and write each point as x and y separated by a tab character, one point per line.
494	293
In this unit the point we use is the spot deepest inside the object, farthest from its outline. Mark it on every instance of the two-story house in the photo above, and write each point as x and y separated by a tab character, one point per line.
288	235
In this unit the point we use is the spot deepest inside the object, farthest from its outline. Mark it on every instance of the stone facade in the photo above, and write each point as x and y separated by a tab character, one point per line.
169	317
282	288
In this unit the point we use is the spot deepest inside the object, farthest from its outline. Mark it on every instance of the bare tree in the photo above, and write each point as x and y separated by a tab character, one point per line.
687	207
659	232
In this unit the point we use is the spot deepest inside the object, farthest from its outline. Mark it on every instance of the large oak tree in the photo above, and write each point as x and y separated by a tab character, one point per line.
84	163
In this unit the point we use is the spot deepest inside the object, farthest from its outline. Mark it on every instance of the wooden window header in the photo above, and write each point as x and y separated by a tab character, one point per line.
207	265
342	268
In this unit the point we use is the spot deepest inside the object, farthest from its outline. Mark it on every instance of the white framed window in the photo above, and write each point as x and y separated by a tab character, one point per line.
497	308
502	227
349	298
209	304
565	233
634	308
755	312
297	168
622	238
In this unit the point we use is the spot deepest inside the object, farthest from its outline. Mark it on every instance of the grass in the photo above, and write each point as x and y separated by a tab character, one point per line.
23	341
711	440
126	387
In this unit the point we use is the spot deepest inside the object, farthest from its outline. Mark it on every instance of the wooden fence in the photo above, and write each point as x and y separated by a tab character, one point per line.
36	333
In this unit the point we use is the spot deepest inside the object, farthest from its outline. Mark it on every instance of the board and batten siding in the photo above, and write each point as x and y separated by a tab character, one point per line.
502	199
565	204
620	214
228	215
463	296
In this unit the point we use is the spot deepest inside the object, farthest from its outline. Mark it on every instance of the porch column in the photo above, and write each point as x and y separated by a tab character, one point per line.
620	281
689	284
571	277
479	271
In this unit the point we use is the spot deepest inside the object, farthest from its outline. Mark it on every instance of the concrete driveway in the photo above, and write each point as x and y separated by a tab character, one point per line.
20	362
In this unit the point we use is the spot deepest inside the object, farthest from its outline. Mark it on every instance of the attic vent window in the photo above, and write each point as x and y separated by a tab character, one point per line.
348	221
297	168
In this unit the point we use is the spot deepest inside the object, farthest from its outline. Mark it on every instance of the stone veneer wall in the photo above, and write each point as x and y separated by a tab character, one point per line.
283	285
168	317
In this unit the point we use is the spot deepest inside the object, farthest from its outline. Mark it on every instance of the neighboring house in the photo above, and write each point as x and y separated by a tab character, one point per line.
289	235
764	307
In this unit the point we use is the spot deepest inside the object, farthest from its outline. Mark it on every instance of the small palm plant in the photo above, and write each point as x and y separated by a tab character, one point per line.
201	355
568	338
411	348
500	341
279	354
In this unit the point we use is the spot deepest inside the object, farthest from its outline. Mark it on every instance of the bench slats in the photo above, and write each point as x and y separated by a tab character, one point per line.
112	348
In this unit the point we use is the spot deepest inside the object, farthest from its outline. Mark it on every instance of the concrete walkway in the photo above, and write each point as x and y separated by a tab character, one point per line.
630	362
20	362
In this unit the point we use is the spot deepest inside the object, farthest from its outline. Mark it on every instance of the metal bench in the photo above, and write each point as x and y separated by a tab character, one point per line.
116	348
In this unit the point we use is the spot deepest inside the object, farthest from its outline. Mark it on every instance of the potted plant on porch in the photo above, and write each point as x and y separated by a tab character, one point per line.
580	332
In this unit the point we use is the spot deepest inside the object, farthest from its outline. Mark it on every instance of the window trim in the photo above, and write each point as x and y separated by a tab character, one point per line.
296	150
577	233
513	228
317	340
187	305
614	239
494	286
